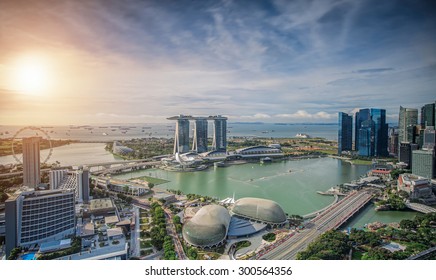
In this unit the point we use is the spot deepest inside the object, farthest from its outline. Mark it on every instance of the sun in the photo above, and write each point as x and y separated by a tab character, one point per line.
30	75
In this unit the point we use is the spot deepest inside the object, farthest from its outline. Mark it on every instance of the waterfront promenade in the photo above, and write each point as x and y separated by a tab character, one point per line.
331	218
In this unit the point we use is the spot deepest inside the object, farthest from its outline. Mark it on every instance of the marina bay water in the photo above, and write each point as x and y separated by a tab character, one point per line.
295	191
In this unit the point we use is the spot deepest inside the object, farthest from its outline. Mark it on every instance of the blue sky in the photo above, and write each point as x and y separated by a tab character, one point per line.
270	61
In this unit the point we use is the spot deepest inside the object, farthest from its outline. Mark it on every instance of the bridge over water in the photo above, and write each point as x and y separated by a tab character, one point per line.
332	218
420	207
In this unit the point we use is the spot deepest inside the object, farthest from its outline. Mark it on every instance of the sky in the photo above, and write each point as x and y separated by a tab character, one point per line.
132	61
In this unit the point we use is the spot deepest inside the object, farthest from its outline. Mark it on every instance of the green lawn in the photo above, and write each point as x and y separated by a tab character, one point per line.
155	181
361	162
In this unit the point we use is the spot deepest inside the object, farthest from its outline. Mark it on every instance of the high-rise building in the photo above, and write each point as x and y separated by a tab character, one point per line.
429	138
361	116
31	162
181	143
366	139
376	133
345	133
76	180
33	217
220	133
393	141
200	135
423	163
428	116
408	117
378	116
405	153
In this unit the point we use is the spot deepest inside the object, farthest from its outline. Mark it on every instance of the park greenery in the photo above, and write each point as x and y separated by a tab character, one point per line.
146	147
270	237
415	235
158	232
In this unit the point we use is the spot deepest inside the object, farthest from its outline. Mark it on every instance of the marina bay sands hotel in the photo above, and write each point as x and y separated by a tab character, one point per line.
199	145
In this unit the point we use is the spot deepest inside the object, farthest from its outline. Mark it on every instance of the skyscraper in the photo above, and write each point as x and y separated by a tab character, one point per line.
393	140
200	135
345	133
428	116
220	133
31	162
361	116
405	153
375	132
408	117
181	143
366	139
378	116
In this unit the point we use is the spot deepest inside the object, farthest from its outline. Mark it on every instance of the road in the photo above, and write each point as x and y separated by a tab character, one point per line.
332	218
135	249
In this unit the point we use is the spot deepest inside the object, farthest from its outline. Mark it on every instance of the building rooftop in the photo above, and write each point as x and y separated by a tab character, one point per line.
259	209
208	227
113	232
99	204
111	219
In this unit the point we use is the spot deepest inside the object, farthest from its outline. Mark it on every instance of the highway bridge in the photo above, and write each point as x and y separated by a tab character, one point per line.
89	165
423	254
420	207
126	167
332	218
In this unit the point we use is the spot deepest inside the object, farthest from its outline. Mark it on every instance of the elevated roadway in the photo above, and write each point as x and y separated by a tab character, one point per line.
420	208
331	218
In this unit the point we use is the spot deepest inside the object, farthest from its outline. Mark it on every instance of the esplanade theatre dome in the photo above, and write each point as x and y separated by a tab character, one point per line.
208	227
259	209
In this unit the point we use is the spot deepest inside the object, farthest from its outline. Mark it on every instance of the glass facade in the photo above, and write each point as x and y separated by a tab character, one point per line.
200	136
345	133
428	115
220	134
181	144
361	116
407	117
366	139
380	132
372	132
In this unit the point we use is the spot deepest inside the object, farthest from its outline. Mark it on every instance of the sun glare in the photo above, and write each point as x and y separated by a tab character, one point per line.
30	75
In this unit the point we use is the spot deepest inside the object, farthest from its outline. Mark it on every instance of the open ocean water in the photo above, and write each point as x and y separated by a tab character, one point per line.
111	132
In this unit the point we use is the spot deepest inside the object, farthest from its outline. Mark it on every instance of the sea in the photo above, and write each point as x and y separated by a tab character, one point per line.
111	132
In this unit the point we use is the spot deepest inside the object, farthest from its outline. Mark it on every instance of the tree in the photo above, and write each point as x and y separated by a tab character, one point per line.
407	224
176	219
377	254
192	253
150	185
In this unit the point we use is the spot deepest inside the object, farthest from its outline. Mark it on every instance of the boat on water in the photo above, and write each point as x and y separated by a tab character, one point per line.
302	135
220	164
266	160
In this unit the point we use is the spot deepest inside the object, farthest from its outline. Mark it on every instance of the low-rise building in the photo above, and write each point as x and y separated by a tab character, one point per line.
416	186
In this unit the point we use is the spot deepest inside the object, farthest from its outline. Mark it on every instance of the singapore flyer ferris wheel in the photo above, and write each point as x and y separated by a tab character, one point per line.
34	128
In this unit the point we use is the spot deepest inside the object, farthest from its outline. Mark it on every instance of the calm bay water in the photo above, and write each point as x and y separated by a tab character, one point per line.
295	191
